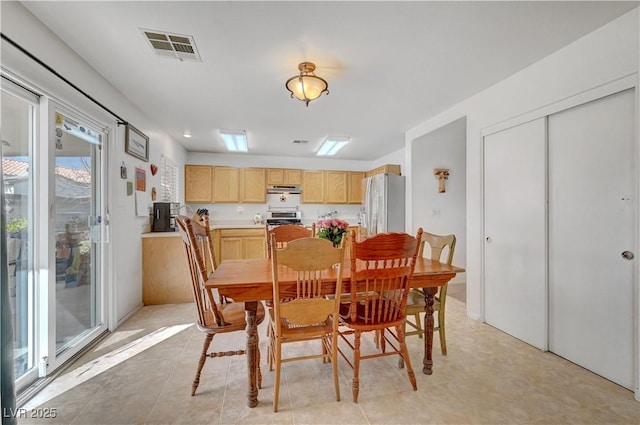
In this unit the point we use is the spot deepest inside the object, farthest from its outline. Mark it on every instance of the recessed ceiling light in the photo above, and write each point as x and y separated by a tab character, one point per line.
187	134
235	140
332	145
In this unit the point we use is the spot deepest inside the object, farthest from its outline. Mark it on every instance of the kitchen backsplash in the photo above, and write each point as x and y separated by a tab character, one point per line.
310	212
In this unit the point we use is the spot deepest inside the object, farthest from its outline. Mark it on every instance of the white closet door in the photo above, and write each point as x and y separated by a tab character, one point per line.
591	223
515	231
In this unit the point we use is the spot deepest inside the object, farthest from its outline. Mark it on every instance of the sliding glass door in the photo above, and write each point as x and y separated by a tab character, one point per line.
53	168
76	230
19	112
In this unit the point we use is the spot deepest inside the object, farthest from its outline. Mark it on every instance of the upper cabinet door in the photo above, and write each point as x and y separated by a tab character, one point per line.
313	187
355	187
252	185
335	187
226	184
198	181
292	177
275	176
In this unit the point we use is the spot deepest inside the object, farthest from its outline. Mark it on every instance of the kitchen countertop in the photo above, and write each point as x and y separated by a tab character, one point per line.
230	224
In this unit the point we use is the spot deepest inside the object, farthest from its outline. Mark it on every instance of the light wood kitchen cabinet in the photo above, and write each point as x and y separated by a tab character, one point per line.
292	177
385	169
335	187
165	273
356	189
253	186
198	183
313	187
284	176
237	244
226	184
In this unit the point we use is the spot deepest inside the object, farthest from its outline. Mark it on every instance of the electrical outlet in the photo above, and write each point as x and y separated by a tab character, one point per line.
240	209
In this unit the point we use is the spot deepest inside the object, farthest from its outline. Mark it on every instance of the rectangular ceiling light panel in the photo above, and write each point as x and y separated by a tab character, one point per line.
332	145
235	140
177	46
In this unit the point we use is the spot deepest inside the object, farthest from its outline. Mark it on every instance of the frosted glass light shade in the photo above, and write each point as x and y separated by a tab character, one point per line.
307	86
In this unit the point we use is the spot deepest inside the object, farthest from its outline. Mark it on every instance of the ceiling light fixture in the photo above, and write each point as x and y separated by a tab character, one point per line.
307	86
186	134
332	145
235	140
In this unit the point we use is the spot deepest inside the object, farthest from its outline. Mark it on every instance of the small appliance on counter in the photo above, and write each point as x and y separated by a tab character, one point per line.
164	214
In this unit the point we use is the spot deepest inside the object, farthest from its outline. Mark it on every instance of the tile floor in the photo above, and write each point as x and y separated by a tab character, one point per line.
141	374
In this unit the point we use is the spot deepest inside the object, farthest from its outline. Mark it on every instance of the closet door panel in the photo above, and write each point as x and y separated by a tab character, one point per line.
591	223
515	231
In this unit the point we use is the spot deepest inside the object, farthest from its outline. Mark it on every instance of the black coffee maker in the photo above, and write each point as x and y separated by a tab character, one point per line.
164	214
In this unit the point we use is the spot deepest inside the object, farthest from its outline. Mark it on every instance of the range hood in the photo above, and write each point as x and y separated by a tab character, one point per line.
293	189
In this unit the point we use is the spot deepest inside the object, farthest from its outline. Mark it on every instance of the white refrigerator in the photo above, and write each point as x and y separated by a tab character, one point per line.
383	207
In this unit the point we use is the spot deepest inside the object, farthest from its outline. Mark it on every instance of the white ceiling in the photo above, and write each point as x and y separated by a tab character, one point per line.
389	65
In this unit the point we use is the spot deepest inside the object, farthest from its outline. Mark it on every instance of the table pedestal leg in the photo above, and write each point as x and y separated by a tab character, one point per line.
429	293
252	352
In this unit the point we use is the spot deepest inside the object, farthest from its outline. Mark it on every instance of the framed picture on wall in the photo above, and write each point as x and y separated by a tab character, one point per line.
136	143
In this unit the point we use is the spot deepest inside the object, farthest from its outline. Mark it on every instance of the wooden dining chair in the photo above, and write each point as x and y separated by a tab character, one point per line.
304	313
415	300
381	270
286	233
215	315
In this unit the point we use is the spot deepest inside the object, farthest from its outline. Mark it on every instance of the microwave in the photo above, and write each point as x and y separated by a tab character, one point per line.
164	216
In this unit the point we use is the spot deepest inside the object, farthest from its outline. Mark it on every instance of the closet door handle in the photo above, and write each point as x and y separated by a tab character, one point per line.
628	255
489	240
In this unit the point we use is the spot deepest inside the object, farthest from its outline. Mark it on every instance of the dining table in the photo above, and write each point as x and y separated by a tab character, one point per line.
250	281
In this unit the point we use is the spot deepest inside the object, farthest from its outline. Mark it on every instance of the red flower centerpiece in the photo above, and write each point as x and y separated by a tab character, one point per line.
332	229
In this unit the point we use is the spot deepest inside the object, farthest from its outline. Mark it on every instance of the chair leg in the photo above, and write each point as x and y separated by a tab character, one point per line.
203	357
355	387
276	384
400	360
443	339
376	338
405	355
334	361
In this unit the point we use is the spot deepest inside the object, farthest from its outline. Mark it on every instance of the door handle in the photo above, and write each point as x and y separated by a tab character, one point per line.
628	255
489	240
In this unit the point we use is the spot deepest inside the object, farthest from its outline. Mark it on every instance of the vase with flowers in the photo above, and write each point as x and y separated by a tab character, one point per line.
332	229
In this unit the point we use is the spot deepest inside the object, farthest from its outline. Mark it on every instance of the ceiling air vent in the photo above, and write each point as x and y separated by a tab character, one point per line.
177	46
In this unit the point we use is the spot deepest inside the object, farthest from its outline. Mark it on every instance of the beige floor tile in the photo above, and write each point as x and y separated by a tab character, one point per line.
487	377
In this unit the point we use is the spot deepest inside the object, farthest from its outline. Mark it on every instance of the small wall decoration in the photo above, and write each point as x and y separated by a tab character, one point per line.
129	188
136	143
442	174
141	179
154	169
123	170
153	194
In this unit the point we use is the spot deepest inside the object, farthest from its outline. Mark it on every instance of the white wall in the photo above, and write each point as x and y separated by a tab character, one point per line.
607	54
396	157
441	213
310	212
125	246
